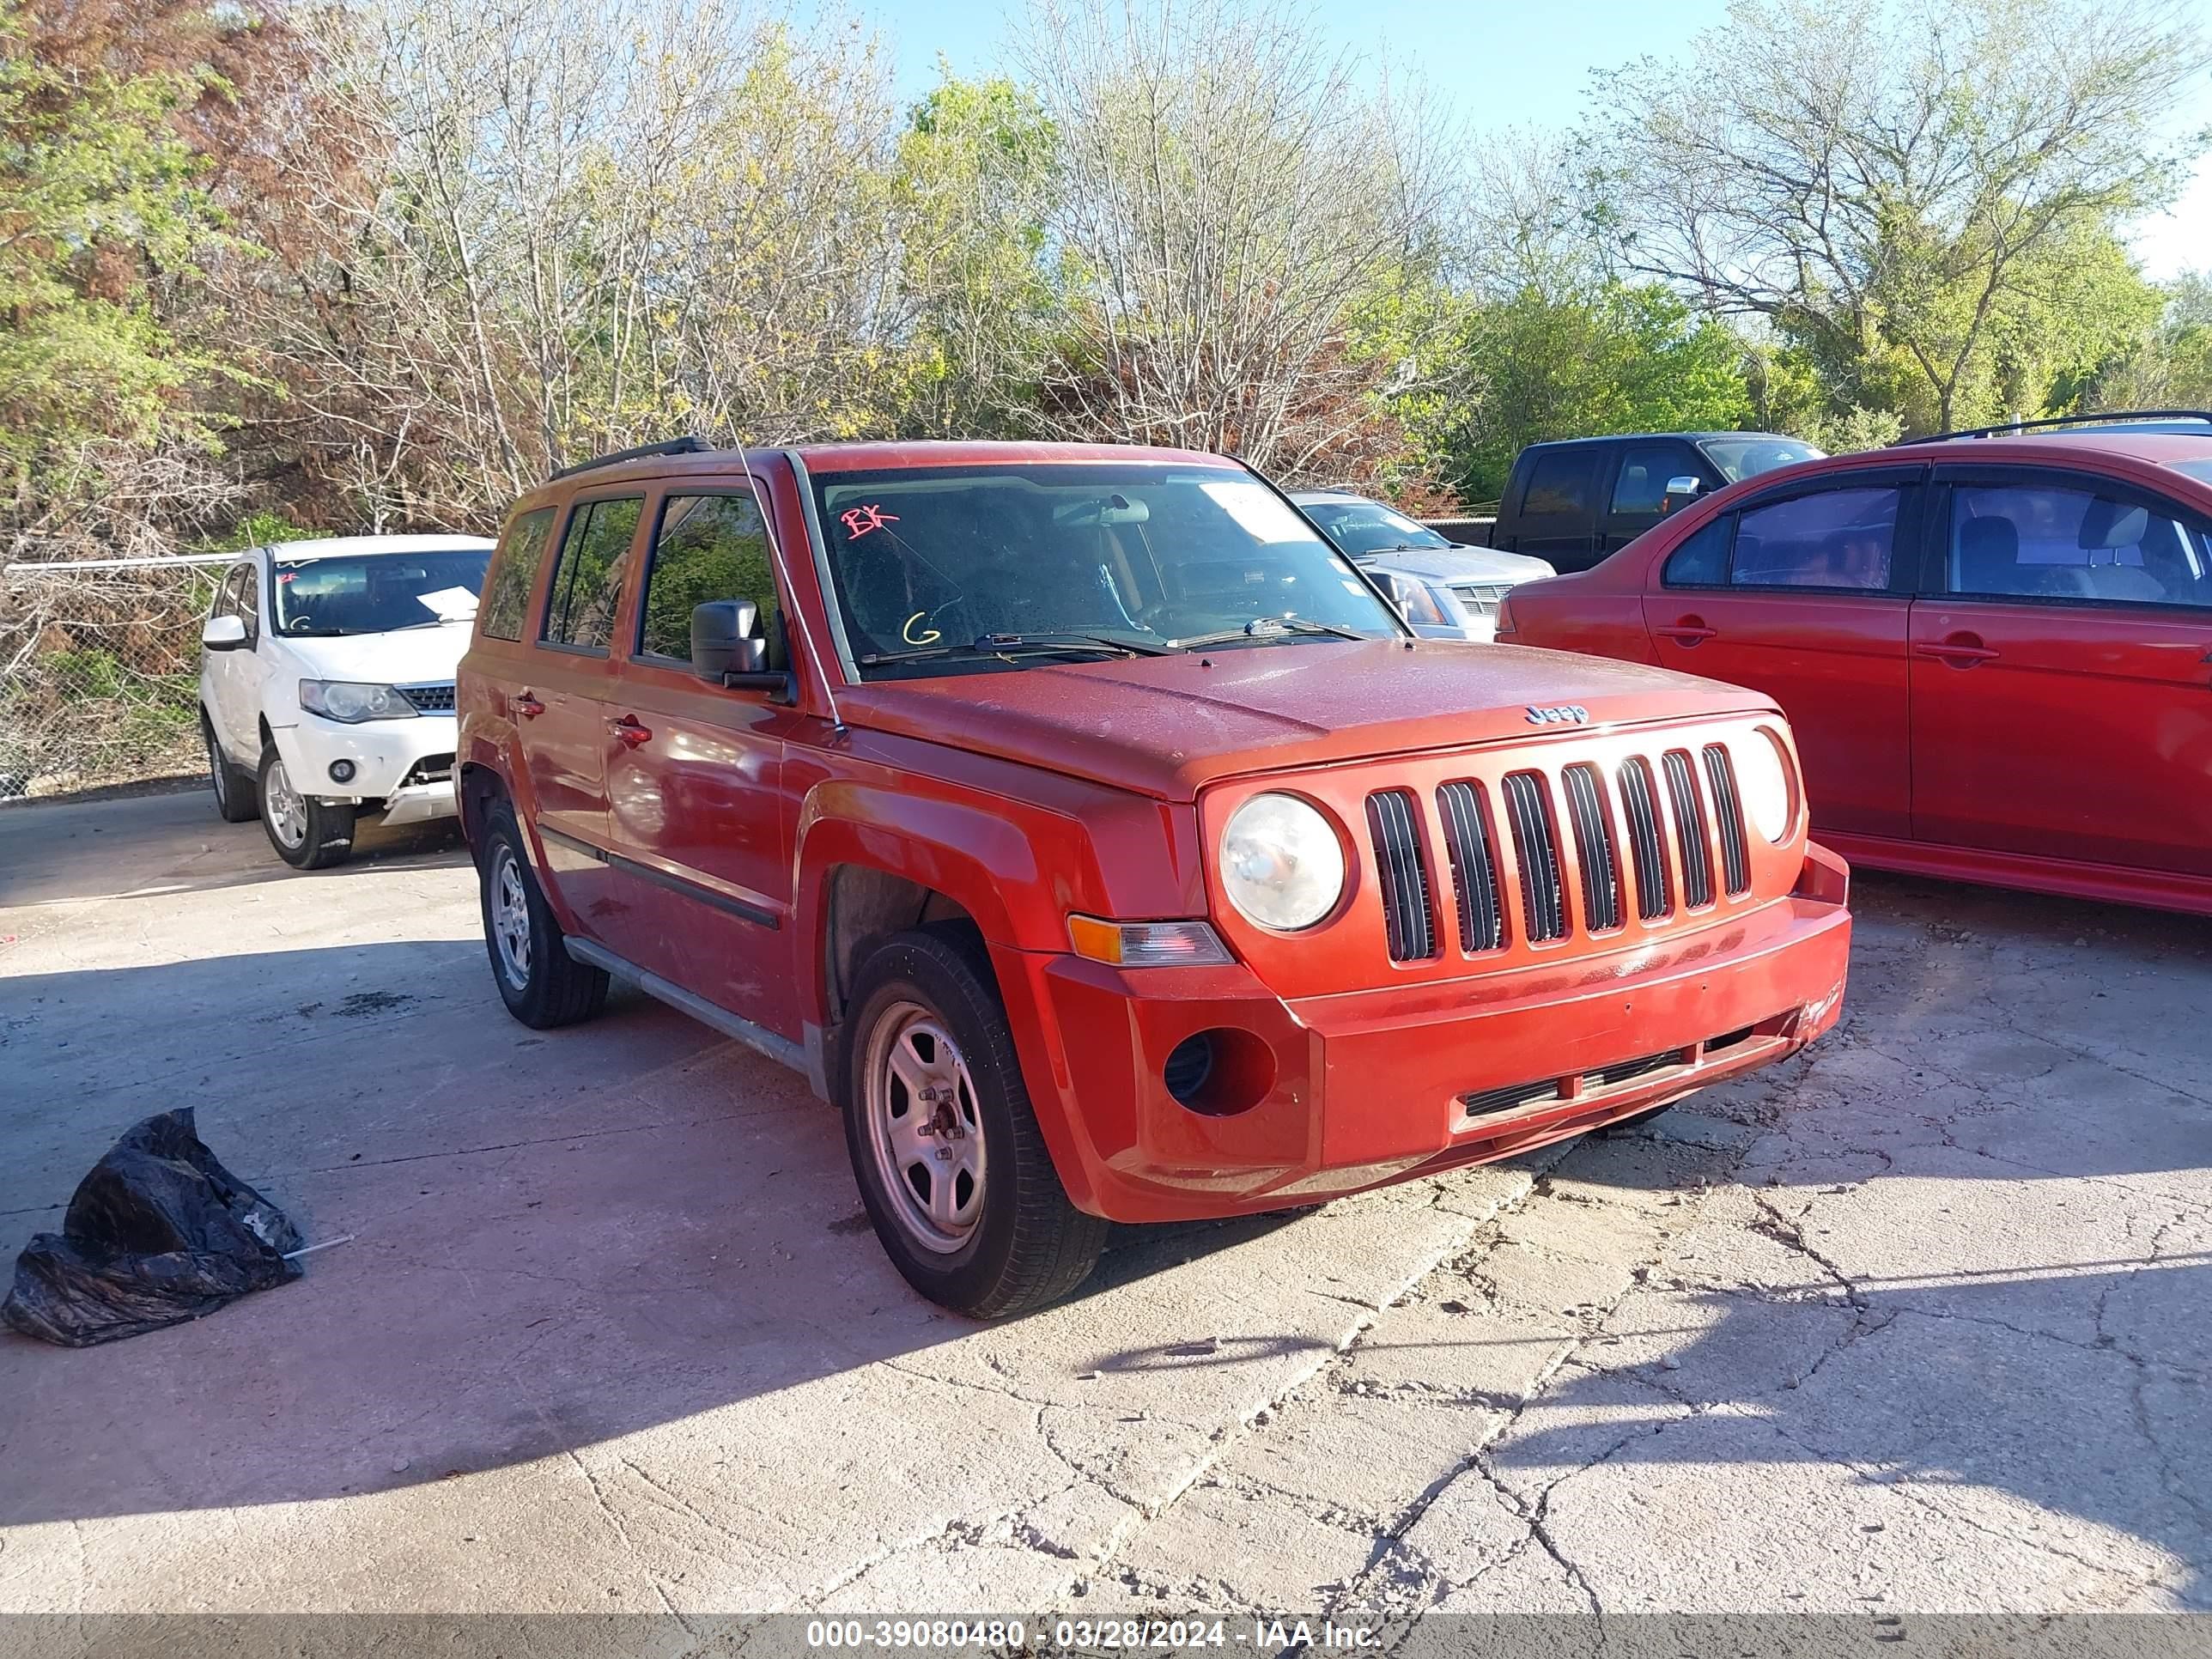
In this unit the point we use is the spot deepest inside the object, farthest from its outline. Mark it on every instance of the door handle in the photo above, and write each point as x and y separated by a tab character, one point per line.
1960	651
629	730
525	705
1688	631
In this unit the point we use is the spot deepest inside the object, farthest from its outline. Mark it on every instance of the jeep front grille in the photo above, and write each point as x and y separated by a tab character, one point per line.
1736	857
1690	831
1543	896
1473	867
1640	798
1594	846
1409	910
1630	832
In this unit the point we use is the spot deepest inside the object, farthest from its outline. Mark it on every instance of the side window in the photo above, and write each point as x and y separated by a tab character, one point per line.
588	581
2048	541
1702	561
249	598
1644	470
1560	482
514	574
226	596
708	548
1831	538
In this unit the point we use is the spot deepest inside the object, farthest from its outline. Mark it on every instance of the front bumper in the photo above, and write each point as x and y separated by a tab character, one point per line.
1314	1099
407	764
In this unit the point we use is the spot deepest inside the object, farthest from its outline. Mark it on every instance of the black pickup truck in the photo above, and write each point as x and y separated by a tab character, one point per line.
1573	501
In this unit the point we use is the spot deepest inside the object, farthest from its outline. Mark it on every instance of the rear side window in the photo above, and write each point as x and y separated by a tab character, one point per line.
580	612
2046	541
1831	538
1702	561
1560	482
1644	471
515	577
708	548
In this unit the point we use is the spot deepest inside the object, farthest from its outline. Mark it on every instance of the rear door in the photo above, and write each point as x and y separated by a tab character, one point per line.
1556	517
562	717
1639	486
1805	594
2062	672
701	831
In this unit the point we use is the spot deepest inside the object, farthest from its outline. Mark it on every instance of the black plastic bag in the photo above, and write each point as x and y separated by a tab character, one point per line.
158	1233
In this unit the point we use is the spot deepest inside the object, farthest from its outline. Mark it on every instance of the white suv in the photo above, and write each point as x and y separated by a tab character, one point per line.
327	685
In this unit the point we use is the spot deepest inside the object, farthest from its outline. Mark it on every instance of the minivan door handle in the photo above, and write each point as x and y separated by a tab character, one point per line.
1688	631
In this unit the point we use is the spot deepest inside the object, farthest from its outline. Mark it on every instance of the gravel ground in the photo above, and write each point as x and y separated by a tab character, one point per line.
1917	1321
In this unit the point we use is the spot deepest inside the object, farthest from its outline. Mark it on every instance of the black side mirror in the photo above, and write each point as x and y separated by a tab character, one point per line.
727	651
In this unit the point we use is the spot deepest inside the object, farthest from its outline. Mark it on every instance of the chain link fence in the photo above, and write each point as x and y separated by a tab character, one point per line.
99	672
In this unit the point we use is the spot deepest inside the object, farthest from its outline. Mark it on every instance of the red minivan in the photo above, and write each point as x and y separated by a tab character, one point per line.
1995	652
1094	834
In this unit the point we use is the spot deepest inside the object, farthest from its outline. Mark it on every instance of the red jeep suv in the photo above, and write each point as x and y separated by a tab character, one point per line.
1098	838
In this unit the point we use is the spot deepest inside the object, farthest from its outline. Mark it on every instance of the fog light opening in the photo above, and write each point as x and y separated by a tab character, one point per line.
342	771
1219	1072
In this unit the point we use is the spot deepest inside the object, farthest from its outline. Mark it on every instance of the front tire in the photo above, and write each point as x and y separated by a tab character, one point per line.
542	985
307	833
950	1161
237	796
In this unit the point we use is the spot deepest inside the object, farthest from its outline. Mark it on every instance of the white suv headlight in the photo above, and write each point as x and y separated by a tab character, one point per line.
1762	778
1282	865
353	701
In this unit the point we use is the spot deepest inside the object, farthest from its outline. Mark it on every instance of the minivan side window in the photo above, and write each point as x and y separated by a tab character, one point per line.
515	575
588	580
1560	482
708	548
1829	538
2047	541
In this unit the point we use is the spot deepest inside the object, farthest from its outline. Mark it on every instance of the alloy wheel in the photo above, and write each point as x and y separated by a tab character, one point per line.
510	920
288	813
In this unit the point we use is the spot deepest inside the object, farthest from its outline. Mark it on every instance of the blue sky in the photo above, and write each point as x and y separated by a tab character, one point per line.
1505	62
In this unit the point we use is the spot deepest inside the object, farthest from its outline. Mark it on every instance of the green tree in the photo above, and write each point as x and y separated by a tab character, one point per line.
103	214
1608	357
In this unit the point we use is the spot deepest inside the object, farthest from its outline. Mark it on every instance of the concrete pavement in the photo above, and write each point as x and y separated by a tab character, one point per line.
1917	1321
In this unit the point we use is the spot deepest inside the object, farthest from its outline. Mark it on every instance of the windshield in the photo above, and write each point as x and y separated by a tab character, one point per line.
376	592
1738	459
947	566
1360	527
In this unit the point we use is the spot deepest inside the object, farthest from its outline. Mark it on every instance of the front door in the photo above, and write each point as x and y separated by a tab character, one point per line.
1639	487
559	704
235	677
2062	674
1805	595
700	826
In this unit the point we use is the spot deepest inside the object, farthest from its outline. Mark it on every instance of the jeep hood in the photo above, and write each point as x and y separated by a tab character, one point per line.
1166	726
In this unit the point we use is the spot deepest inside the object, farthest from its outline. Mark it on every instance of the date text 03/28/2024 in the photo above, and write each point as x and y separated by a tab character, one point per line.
1090	1634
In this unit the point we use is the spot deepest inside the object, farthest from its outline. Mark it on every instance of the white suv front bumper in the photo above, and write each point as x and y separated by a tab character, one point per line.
406	764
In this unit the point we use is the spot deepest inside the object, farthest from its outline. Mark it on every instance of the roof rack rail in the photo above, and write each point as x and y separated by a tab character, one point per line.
2103	417
687	446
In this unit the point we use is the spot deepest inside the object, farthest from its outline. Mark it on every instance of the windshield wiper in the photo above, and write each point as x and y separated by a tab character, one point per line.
1000	645
1269	628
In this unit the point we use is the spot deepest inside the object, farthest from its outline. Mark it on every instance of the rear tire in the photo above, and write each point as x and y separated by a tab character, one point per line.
958	1181
542	985
237	792
307	833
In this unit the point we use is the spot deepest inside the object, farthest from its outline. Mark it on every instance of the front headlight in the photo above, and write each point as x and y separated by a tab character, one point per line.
1281	864
1762	779
353	701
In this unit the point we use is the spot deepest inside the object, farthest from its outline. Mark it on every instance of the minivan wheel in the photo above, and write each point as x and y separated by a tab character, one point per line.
542	985
307	833
236	796
950	1161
